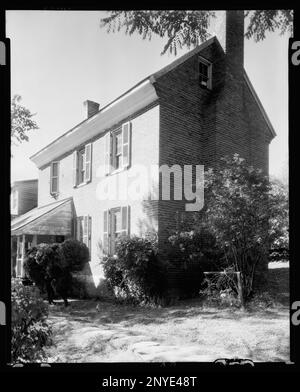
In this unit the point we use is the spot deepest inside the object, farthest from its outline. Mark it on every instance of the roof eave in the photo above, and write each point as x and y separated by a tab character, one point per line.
134	100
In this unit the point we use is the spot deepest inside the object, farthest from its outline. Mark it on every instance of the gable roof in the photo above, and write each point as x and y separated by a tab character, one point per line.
23	223
150	80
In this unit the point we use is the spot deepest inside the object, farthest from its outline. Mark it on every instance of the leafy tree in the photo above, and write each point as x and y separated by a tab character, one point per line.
189	28
246	213
21	121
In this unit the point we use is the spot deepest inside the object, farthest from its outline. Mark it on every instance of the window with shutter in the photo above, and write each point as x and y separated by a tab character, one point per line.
88	162
126	147
54	178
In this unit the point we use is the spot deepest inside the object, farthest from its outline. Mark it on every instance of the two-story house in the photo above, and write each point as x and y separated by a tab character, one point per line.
197	109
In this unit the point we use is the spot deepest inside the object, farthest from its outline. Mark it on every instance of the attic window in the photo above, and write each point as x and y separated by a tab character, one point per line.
204	70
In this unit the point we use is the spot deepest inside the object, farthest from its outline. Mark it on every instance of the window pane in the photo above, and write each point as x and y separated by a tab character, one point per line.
118	161
203	69
54	184
81	159
118	220
54	169
81	166
125	133
118	144
125	155
124	218
81	176
81	229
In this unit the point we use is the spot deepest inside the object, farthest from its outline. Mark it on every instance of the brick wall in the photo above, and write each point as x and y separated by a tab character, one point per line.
199	126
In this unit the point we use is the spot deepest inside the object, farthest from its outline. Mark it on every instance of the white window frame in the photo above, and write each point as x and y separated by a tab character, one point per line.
209	72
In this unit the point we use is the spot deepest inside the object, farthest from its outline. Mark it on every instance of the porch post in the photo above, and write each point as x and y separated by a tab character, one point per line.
18	256
12	256
23	255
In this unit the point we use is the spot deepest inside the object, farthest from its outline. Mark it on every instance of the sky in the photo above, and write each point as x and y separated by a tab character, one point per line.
59	59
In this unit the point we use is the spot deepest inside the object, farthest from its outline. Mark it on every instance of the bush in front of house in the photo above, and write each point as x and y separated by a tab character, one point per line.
136	272
76	254
29	327
195	251
46	266
51	266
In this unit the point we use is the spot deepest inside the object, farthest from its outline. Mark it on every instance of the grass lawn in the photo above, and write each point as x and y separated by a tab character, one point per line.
94	331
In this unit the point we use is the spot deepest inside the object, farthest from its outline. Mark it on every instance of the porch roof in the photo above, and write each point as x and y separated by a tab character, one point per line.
51	219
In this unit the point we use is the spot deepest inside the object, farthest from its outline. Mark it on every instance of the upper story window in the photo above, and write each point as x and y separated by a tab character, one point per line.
82	165
205	74
118	148
54	178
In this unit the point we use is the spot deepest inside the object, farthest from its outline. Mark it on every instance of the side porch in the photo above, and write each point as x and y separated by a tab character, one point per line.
51	223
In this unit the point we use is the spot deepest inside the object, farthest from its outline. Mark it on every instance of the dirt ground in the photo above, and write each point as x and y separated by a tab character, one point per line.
94	331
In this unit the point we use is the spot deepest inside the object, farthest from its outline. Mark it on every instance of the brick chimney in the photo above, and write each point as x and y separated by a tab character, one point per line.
235	41
92	107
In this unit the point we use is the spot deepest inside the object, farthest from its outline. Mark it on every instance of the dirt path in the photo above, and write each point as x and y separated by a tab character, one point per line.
90	331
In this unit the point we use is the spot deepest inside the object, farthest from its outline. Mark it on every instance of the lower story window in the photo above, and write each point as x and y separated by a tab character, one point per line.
83	230
116	223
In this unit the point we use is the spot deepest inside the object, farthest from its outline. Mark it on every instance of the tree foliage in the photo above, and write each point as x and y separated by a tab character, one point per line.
190	28
262	21
182	28
21	121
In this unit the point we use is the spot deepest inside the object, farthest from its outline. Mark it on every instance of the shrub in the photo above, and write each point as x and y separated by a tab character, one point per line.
30	330
196	246
196	251
136	272
51	266
75	253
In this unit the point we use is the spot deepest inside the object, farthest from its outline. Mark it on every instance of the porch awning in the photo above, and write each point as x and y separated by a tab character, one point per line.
51	219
